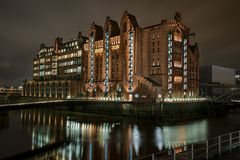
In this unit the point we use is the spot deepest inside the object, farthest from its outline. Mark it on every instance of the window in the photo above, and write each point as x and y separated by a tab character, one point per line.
177	79
42	73
54	65
48	60
178	35
36	62
42	60
54	72
177	64
42	66
54	58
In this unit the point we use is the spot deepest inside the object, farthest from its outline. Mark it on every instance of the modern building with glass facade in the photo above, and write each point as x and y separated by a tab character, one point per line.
126	61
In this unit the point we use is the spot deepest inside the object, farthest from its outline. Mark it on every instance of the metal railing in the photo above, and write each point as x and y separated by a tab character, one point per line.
201	150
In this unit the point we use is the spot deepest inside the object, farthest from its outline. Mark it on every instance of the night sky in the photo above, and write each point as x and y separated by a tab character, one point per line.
24	24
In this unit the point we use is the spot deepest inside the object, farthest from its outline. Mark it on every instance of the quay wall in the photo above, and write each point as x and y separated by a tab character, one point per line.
160	112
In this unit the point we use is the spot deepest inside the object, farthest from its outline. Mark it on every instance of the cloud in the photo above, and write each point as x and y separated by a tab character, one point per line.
4	64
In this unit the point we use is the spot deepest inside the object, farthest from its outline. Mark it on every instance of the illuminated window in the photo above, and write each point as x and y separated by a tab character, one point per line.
48	60
42	73
35	62
42	66
169	79
79	53
177	64
54	72
184	86
48	73
178	79
178	35
42	60
169	86
54	58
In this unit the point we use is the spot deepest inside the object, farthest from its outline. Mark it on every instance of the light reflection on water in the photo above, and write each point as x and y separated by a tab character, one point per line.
104	138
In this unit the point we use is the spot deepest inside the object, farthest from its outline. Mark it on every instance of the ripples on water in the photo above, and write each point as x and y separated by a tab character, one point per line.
94	137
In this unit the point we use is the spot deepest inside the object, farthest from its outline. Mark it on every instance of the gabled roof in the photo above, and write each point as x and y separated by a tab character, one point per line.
133	20
115	30
99	31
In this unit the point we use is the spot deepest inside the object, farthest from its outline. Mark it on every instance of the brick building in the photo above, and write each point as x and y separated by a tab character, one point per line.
125	60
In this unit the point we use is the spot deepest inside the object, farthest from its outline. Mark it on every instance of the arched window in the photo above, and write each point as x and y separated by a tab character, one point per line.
178	35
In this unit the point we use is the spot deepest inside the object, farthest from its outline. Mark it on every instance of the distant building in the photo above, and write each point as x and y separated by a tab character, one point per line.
237	77
120	61
11	90
217	80
217	74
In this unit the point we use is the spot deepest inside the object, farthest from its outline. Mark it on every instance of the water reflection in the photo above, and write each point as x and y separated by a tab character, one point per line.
136	139
103	139
158	138
4	121
173	136
87	133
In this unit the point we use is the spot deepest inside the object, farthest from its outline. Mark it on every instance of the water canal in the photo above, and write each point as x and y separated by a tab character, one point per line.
98	137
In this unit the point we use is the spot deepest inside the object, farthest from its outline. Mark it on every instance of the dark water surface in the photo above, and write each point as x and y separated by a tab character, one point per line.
100	138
